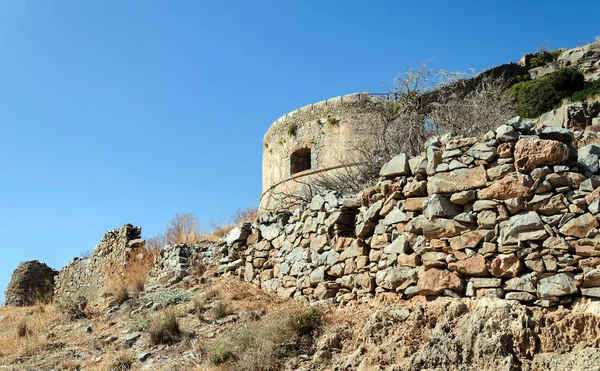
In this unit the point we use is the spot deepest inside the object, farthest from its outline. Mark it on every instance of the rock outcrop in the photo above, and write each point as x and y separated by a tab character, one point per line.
31	282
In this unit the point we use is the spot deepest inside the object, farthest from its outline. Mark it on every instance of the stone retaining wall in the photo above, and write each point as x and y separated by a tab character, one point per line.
89	276
512	215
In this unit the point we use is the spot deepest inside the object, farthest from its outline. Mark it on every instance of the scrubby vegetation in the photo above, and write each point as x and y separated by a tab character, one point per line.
292	129
590	90
532	98
164	328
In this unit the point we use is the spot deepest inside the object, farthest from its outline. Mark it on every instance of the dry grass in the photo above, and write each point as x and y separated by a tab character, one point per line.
21	328
247	215
263	344
164	328
588	99
183	228
132	282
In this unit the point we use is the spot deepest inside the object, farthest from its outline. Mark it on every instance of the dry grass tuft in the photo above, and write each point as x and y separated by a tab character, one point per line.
132	282
121	361
183	228
165	329
221	310
247	215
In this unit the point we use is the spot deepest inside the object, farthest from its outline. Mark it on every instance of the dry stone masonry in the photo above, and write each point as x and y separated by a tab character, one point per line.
89	276
513	215
31	282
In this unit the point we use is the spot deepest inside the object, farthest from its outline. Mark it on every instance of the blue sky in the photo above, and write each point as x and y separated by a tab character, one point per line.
118	112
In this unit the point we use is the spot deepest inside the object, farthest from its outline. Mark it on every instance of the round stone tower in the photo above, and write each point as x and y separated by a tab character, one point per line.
312	141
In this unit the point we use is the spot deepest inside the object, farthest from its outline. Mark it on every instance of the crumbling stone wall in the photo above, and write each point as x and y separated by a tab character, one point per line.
31	282
513	215
175	263
89	276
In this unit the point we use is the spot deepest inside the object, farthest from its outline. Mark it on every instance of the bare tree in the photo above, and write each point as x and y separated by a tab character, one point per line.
424	103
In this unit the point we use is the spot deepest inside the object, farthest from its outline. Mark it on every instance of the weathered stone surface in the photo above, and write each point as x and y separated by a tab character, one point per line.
505	265
514	185
434	281
479	283
520	296
522	227
269	232
561	284
587	158
398	246
482	152
392	278
463	198
531	153
585	58
415	188
457	181
395	167
580	226
31	282
459	143
414	203
469	240
526	282
440	206
473	266
591	278
439	228
418	165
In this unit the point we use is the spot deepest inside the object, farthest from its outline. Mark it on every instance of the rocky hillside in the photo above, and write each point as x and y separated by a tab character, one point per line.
477	254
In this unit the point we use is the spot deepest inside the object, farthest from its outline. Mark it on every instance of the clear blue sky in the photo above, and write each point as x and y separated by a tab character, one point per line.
131	111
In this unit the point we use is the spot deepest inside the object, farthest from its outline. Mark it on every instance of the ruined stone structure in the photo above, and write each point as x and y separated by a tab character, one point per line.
512	215
89	276
312	141
31	282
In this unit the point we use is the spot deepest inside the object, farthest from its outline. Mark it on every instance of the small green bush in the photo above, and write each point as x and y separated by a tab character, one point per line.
556	53
220	356
305	323
591	89
139	322
332	121
532	98
170	297
292	129
523	78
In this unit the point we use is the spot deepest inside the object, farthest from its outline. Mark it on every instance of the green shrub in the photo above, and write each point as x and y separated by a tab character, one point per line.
523	78
169	297
139	322
220	356
591	89
532	98
332	120
305	323
292	129
556	53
